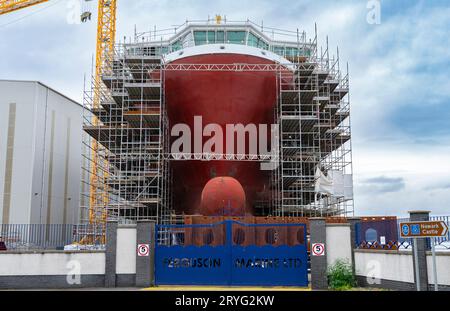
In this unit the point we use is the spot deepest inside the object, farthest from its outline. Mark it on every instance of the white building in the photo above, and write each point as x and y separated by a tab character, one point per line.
40	154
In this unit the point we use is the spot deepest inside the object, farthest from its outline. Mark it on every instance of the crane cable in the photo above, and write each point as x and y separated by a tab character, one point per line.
55	2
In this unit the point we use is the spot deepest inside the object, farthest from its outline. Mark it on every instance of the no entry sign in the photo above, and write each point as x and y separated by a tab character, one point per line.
143	250
423	229
318	249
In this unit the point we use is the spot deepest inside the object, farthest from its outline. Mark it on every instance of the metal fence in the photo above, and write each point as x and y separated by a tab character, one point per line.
383	233
442	242
52	236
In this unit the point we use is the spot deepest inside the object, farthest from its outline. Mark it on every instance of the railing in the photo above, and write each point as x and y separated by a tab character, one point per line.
269	32
383	233
286	43
52	236
442	243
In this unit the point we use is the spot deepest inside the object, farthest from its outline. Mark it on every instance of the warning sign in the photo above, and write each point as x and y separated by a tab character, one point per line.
318	249
143	250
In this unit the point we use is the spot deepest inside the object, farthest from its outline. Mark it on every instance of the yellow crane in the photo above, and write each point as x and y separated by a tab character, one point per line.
106	32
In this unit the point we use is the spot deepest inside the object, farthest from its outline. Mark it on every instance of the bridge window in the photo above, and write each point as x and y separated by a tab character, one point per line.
177	45
164	50
279	50
263	45
252	40
288	51
256	42
291	52
205	37
200	37
220	37
211	36
236	37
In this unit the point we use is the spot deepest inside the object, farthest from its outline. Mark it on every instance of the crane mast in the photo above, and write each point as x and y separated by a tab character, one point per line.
106	31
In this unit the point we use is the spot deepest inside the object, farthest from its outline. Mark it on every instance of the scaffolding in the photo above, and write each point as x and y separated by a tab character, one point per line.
313	113
132	132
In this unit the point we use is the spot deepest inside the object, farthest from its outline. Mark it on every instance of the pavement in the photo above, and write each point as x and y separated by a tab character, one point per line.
178	288
225	288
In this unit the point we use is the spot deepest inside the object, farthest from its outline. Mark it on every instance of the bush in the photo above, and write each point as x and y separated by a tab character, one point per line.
340	275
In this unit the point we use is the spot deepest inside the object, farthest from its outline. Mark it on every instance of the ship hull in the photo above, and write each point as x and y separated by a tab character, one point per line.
218	97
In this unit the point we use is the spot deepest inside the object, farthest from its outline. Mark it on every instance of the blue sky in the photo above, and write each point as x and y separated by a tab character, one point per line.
399	77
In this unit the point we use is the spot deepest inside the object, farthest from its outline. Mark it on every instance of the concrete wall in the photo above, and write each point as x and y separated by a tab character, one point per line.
56	269
51	269
388	265
338	245
394	269
126	255
442	266
40	154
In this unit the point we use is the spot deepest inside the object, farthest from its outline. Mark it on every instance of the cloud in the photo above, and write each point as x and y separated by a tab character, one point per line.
438	187
422	170
383	184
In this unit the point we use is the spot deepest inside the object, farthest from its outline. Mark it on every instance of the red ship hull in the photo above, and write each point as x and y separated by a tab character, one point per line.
221	97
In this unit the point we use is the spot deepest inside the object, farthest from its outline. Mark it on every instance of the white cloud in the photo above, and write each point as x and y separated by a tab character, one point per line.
425	173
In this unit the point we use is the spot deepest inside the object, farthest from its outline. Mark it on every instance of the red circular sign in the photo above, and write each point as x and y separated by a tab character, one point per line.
318	249
143	249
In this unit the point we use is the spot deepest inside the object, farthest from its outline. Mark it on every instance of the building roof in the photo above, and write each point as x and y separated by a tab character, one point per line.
44	85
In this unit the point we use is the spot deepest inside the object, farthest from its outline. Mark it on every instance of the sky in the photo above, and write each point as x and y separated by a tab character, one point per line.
399	76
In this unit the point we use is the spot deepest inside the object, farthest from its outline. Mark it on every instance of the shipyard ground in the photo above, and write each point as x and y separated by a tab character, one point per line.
198	288
226	288
176	288
181	288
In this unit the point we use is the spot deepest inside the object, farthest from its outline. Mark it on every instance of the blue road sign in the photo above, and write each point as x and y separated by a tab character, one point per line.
415	229
405	229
